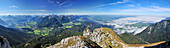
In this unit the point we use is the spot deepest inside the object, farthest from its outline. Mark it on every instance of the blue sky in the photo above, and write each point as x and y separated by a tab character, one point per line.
86	7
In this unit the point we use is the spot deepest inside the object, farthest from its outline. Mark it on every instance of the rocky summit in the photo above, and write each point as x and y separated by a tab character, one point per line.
75	42
104	37
107	38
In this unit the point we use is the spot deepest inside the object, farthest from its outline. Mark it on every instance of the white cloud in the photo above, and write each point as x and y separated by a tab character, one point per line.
155	6
60	3
118	2
131	5
125	23
34	10
144	9
64	3
13	6
148	19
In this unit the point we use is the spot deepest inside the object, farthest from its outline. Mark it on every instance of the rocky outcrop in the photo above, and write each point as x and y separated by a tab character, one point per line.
87	32
4	43
75	42
104	37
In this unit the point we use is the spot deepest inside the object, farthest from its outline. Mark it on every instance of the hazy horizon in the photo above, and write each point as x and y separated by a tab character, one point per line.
85	7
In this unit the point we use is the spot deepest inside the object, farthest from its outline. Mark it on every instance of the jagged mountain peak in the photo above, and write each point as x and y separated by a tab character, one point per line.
106	38
87	31
75	42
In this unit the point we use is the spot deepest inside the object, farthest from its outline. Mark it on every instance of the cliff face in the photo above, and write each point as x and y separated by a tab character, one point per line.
75	42
4	43
87	32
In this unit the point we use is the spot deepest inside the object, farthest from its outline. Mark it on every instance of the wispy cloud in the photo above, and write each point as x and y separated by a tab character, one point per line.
131	5
64	3
68	5
13	6
33	10
61	3
147	9
118	2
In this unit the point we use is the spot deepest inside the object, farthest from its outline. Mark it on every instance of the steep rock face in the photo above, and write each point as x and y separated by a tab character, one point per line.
4	43
104	37
75	42
87	32
156	32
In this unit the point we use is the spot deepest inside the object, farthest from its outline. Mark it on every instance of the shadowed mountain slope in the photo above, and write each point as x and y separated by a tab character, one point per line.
14	37
156	32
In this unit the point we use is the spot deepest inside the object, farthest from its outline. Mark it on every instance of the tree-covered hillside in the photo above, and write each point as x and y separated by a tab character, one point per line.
15	37
156	32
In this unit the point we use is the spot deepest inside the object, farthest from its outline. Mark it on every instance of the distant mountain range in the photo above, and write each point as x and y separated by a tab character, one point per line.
58	30
51	29
2	22
49	21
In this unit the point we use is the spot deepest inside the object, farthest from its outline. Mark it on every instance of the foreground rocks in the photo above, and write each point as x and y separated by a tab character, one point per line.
4	43
75	42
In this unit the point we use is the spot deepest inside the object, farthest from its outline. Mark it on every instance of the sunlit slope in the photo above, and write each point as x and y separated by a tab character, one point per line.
146	45
106	37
